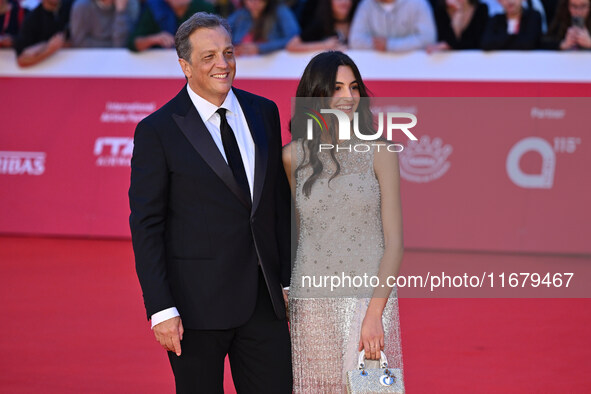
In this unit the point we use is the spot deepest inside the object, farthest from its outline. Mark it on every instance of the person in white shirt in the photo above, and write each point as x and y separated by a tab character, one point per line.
392	25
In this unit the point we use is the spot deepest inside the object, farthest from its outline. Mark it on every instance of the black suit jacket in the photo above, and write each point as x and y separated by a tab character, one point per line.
197	237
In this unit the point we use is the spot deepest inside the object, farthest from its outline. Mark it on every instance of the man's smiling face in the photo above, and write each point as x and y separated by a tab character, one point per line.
212	68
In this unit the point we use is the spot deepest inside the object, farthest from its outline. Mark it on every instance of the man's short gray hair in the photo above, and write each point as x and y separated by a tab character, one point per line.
199	20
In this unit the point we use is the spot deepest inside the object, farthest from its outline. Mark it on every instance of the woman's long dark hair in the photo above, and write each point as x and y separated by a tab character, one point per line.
265	22
324	16
563	20
314	92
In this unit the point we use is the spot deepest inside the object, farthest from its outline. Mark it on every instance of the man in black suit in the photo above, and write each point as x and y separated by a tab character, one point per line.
210	223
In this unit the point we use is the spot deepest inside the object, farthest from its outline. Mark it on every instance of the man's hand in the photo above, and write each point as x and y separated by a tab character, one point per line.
56	42
379	43
163	39
170	334
246	49
440	46
5	41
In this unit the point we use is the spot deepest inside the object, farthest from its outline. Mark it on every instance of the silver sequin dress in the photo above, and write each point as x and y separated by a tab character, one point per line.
340	234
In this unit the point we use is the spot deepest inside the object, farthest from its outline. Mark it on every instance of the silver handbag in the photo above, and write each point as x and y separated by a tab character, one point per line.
374	380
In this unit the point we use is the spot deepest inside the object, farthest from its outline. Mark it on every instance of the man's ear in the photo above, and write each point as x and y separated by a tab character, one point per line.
186	67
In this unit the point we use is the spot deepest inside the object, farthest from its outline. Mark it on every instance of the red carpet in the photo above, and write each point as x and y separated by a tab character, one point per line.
73	322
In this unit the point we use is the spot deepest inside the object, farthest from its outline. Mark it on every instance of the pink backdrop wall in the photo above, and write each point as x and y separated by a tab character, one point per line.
488	174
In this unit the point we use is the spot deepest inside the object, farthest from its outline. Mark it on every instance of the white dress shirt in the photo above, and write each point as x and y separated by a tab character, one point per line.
237	122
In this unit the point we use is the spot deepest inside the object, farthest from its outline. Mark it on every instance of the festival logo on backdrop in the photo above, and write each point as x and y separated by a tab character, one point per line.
544	177
113	151
22	163
424	160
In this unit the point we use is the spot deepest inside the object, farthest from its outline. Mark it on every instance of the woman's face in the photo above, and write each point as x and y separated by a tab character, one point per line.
341	8
456	4
177	3
50	5
255	7
346	92
579	8
511	7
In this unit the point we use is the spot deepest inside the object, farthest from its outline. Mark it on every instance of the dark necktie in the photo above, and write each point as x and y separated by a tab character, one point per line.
233	152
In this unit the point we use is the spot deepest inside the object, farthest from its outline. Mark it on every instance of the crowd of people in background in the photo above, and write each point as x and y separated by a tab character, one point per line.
36	31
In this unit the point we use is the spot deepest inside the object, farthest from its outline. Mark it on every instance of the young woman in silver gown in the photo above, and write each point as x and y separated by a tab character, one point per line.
349	224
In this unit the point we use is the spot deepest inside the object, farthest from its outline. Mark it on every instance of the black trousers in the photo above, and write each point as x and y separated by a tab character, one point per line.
259	352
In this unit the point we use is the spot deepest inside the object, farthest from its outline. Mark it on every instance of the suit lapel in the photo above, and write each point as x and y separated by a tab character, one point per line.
196	132
259	136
